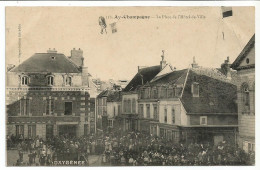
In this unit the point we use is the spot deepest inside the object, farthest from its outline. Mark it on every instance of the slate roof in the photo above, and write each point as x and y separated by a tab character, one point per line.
112	95
243	53
47	62
216	93
147	74
175	77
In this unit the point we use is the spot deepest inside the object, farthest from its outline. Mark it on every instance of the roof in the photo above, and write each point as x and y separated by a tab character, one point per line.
216	93
175	77
47	62
142	77
112	95
243	53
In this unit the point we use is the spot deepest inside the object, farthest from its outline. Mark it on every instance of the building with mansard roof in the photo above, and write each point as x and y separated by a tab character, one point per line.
50	94
191	105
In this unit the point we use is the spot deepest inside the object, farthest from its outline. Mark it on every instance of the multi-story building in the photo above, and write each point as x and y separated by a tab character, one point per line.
50	94
190	105
245	66
132	115
114	105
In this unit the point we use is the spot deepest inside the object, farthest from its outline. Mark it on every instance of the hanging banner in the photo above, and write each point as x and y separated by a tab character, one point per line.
113	27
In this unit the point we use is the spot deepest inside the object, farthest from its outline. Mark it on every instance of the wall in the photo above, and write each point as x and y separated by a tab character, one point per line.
130	97
215	119
36	79
170	104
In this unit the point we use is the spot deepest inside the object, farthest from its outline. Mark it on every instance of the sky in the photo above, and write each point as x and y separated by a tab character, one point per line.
137	42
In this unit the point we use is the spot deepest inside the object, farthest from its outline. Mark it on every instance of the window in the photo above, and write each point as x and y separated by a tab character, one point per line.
119	109
195	89
154	93
147	93
50	80
248	146
148	111
128	106
24	107
104	111
203	120
19	130
141	110
68	108
170	93
155	112
49	106
173	116
133	106
125	105
31	131
104	101
110	123
163	92
68	81
247	61
245	97
114	111
25	80
142	93
165	115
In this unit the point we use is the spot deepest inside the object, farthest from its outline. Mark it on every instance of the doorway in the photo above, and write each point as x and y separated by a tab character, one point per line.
68	130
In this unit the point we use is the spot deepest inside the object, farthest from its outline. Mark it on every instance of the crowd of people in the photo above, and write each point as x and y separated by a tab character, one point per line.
130	149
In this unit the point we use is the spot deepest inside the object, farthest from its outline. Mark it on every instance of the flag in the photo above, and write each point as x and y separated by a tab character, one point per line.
226	11
113	27
102	23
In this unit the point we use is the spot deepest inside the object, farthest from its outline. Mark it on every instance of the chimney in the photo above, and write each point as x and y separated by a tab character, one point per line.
85	77
52	50
225	67
77	57
194	64
163	62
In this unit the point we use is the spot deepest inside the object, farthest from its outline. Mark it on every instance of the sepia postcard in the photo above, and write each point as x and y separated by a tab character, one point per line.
130	86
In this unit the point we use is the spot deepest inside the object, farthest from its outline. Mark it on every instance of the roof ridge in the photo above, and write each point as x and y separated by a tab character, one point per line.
185	82
71	62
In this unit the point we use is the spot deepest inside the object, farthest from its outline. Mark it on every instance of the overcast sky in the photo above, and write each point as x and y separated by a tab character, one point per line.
136	42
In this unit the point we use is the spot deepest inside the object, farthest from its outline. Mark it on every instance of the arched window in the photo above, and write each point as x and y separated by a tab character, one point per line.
25	80
68	81
50	80
245	96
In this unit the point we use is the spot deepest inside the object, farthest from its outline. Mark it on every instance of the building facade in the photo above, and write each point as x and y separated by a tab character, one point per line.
245	66
190	105
50	94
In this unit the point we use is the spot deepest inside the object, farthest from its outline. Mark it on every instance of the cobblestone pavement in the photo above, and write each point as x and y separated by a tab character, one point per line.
12	156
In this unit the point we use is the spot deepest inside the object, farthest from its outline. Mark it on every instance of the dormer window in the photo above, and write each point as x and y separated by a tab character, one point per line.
50	80
68	81
195	89
25	80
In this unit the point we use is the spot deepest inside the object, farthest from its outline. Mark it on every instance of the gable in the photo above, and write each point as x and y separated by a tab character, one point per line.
249	59
167	69
248	52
